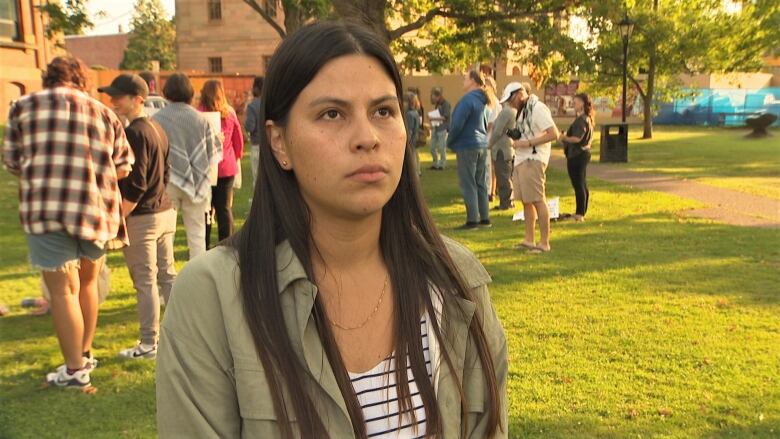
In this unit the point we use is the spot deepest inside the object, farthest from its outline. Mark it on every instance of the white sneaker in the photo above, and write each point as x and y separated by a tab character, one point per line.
140	351
89	363
61	378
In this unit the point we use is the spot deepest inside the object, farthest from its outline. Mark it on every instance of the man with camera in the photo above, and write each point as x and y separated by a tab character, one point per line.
532	142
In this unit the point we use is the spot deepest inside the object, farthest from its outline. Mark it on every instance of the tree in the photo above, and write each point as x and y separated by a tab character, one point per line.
674	37
457	32
152	38
297	13
70	18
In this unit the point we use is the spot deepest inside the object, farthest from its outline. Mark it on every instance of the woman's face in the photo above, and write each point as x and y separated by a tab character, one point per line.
579	105
345	138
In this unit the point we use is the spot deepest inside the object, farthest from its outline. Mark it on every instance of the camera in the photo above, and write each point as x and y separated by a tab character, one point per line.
514	133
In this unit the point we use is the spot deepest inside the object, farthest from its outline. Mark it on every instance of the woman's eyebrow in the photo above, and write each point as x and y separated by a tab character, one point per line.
344	103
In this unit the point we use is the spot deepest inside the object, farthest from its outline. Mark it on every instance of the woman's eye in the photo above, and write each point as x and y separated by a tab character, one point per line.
331	115
384	112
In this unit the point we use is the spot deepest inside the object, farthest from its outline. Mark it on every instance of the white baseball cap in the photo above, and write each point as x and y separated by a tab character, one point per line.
508	90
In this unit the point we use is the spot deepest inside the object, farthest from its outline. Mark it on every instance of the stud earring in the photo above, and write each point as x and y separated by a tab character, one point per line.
284	162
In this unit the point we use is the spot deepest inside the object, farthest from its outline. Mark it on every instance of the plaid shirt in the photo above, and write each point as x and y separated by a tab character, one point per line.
67	148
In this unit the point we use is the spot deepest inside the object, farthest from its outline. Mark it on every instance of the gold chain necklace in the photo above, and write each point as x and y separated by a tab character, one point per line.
370	316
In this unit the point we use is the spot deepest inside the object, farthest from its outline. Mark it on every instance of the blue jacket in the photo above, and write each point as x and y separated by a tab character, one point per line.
468	126
254	126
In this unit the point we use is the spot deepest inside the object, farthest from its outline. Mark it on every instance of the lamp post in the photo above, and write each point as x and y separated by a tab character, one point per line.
626	27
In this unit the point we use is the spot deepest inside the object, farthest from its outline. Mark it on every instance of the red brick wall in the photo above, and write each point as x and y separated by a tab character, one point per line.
102	50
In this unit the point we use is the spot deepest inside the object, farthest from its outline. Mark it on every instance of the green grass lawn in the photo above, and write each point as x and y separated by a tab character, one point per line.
720	157
640	323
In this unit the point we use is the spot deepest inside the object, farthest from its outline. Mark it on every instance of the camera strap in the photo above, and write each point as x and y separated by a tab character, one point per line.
527	115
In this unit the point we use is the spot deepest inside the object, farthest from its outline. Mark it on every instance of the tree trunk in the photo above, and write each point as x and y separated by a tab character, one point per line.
650	89
649	97
293	18
370	13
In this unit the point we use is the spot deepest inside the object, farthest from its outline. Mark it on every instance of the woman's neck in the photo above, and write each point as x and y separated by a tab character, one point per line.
342	244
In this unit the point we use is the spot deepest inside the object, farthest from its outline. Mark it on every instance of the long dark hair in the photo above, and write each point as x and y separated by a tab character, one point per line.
587	107
414	251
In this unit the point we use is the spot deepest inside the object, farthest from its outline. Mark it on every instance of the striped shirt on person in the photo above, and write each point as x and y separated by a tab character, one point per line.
67	148
376	393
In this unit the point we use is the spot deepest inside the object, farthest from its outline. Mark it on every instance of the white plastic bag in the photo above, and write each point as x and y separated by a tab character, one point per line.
554	204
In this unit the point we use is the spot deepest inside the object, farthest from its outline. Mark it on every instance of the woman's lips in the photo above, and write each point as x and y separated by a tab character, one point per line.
368	174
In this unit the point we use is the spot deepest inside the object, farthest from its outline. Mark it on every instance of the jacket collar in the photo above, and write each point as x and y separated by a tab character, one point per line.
288	266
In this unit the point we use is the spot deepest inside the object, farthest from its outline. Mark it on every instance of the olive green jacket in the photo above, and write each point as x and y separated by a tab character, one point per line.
211	384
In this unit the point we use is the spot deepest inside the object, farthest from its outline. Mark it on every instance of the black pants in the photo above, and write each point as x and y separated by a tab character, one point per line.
222	206
577	167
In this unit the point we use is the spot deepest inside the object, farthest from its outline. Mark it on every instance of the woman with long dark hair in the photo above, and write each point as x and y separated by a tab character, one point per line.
294	327
576	142
212	98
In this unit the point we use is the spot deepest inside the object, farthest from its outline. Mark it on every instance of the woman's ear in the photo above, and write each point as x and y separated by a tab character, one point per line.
275	135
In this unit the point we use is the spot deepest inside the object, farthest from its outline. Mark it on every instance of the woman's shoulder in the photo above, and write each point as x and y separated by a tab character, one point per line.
206	290
231	113
467	263
213	272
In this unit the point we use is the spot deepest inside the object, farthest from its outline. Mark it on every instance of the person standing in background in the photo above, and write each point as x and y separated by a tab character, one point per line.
150	217
153	101
490	85
69	152
501	150
468	138
212	98
439	127
193	149
576	146
254	125
532	154
413	125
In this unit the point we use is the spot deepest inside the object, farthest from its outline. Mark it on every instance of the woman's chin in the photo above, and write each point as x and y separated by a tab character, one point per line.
365	206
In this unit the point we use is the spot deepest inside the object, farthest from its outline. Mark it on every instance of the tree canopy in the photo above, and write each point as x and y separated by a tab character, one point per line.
68	18
152	38
674	37
671	37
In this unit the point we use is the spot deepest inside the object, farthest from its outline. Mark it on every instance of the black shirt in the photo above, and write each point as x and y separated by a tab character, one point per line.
579	128
147	181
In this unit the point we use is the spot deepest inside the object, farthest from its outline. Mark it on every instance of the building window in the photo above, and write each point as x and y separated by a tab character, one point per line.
270	7
9	20
215	65
215	9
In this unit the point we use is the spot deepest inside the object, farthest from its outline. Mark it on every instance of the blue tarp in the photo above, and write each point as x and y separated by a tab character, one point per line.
720	107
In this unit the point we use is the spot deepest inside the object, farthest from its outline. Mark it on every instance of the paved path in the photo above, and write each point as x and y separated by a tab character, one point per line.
723	205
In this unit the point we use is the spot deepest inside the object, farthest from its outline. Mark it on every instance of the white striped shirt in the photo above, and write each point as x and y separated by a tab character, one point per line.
376	393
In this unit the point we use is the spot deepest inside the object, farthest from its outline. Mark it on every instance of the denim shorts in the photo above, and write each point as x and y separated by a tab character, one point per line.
59	251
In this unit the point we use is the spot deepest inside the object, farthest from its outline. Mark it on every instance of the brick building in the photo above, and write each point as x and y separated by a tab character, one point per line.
98	50
24	51
225	36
